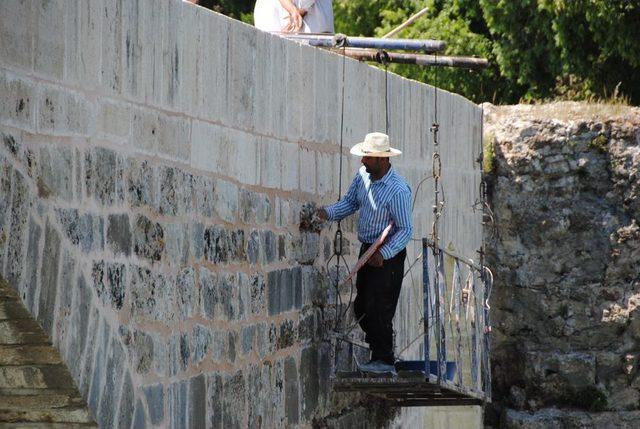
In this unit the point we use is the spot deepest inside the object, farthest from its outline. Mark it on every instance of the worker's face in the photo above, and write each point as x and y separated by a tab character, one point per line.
372	164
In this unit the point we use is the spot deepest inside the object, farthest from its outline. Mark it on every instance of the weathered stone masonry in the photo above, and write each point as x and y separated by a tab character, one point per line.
155	159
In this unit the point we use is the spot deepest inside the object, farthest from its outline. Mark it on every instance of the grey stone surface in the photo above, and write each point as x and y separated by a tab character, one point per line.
20	202
222	245
226	200
104	176
202	339
205	191
257	289
125	409
286	336
253	248
140	183
49	282
96	372
309	381
154	395
178	404
214	400
119	234
269	246
209	289
291	389
248	339
79	324
109	282
187	294
109	400
139	417
143	352
176	238
196	234
197	402
151	294
55	178
85	230
31	266
148	238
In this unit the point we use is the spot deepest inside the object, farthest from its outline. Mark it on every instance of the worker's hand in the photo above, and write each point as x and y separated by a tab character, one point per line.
376	259
295	20
322	214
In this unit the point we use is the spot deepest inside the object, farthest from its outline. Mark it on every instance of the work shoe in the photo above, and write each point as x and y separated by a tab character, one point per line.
377	367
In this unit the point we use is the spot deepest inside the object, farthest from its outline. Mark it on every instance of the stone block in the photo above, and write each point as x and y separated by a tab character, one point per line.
269	246
87	358
248	335
255	208
62	112
142	348
234	402
196	232
212	88
142	71
114	120
286	336
226	201
82	40
208	285
109	281
291	168
80	312
119	234
175	191
214	400
204	195
241	77
176	249
187	294
49	278
233	345
139	416
291	389
111	47
109	399
148	239
272	167
96	372
62	316
325	174
310	248
178	402
154	395
19	99
257	289
154	132
307	329
84	230
197	402
48	44
16	34
254	248
151	295
293	92
205	146
243	157
125	409
308	171
140	183
55	178
309	381
202	342
30	284
104	176
222	245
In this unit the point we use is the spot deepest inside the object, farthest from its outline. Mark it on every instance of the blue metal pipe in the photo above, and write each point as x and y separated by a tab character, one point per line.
340	40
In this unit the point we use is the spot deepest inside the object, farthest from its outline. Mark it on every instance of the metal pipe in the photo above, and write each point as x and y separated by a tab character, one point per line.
405	24
421	60
340	40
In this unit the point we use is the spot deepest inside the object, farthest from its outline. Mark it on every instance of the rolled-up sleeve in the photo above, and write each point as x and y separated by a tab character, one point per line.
347	204
400	209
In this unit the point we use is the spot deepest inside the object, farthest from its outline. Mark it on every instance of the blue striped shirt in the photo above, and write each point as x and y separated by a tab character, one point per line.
380	202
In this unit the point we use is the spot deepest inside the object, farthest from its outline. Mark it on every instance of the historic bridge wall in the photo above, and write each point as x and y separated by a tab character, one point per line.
155	159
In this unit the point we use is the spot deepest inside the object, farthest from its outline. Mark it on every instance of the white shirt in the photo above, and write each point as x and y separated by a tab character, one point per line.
269	15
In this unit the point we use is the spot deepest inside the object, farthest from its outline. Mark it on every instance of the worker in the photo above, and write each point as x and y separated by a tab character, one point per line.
294	16
382	196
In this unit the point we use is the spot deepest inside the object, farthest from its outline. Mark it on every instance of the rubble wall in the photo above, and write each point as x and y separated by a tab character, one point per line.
565	249
155	159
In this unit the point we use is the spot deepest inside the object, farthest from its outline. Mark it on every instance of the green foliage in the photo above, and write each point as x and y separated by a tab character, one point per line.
489	163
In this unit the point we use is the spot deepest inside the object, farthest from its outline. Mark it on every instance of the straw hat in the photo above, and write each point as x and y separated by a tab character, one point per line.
375	144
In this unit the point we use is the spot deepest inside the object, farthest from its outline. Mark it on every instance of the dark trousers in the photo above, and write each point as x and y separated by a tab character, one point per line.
378	289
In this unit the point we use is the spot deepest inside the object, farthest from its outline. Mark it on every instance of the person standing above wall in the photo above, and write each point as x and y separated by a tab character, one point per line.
294	16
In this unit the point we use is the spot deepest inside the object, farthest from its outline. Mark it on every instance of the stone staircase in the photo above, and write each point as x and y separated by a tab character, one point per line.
36	389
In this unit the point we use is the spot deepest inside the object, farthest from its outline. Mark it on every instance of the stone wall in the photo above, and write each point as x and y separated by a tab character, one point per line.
155	159
565	253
